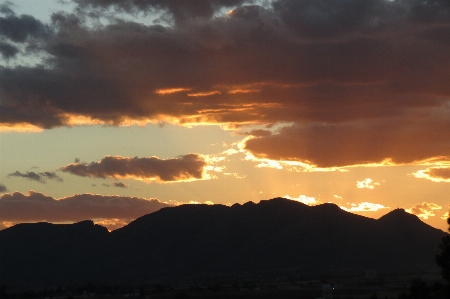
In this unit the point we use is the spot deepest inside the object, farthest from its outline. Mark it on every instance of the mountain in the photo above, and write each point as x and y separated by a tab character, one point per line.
41	253
273	236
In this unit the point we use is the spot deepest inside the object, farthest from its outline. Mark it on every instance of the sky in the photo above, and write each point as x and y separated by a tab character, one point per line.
112	109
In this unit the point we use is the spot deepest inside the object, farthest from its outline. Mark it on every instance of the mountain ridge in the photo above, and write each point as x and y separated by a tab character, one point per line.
217	240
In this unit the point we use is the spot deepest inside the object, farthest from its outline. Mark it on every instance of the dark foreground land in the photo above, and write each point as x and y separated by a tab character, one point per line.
279	236
404	286
274	249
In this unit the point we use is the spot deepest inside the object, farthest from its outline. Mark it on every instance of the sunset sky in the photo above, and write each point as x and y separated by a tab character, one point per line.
112	109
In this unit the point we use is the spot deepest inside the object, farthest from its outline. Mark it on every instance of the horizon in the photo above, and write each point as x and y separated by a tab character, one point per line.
106	224
113	110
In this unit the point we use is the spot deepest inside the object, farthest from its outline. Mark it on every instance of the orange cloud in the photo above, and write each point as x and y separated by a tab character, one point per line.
424	210
19	127
307	200
364	207
446	215
183	168
435	174
6	224
191	202
204	94
235	91
171	90
401	140
112	224
368	183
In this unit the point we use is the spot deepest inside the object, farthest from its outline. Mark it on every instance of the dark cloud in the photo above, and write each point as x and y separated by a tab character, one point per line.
430	12
322	19
19	28
120	185
51	176
399	140
40	177
300	61
32	207
5	9
8	51
181	11
185	167
3	188
327	18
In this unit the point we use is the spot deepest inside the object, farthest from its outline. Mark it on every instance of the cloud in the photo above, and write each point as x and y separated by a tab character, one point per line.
8	51
424	210
34	206
191	202
396	140
120	185
446	216
340	72
366	183
364	207
258	133
307	200
435	174
40	177
3	188
171	90
19	28
6	224
204	93
181	12
113	224
187	167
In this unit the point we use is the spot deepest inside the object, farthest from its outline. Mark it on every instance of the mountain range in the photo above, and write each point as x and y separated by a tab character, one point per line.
272	237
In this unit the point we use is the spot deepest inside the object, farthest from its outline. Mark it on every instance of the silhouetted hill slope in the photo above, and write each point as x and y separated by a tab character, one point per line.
40	252
273	235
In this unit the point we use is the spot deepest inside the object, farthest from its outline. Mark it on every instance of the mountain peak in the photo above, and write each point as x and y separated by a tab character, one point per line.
281	201
400	218
399	214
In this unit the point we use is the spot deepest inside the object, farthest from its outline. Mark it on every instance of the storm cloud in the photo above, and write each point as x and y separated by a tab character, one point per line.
323	66
183	168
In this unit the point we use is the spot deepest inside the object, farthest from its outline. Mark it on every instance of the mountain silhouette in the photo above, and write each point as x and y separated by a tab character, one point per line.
273	236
